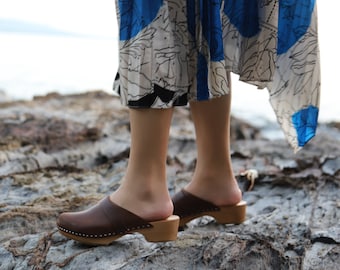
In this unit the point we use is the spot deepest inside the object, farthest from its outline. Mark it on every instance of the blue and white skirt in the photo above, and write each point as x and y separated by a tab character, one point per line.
175	51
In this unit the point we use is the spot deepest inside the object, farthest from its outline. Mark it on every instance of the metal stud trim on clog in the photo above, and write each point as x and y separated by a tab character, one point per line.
104	235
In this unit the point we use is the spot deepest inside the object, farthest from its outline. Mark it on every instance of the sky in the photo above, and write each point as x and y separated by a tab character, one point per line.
97	18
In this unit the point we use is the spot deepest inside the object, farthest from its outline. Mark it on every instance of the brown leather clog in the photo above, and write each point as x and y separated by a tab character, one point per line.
105	222
188	207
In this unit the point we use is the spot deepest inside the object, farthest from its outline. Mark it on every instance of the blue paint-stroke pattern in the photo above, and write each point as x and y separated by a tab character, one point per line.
243	14
202	78
212	27
135	15
305	122
294	21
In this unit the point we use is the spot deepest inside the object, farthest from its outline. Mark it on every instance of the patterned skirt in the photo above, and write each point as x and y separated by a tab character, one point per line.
175	51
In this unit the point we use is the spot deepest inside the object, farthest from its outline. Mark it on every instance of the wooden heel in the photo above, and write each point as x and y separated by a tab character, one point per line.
188	207
234	214
163	230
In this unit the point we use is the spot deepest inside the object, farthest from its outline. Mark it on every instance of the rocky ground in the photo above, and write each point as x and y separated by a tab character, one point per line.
62	153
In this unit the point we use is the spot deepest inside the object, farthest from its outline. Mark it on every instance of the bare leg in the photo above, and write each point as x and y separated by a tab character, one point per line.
213	179
144	188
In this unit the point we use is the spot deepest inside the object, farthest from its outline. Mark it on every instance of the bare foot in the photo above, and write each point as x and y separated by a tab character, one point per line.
220	193
151	206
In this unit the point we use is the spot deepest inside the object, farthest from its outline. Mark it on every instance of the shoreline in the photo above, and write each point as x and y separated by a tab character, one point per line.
268	126
259	117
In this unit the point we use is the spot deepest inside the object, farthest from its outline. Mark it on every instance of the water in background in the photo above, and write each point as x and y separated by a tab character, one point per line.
37	64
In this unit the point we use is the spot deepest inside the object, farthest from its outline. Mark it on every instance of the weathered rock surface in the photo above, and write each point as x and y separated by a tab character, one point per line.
62	153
